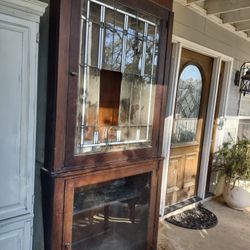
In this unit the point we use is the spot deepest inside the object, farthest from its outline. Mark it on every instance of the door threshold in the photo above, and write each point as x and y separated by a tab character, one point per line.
183	206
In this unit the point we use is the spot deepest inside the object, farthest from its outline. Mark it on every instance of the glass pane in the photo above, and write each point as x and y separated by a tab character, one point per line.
95	12
244	129
112	215
89	103
112	49
150	50
135	27
151	32
134	54
187	105
84	8
119	21
83	41
117	50
116	96
108	48
93	43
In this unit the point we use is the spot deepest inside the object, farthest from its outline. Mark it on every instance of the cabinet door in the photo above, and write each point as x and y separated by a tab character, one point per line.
15	236
111	82
117	213
17	114
117	83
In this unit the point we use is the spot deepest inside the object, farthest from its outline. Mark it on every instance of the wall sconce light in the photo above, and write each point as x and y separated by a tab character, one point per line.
242	78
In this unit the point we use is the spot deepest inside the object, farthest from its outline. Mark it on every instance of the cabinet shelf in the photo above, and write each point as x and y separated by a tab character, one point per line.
90	200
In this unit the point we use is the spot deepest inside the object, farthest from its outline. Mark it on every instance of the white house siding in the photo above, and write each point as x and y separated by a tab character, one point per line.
196	28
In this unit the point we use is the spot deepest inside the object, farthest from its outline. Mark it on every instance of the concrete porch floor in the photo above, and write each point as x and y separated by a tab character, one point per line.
231	233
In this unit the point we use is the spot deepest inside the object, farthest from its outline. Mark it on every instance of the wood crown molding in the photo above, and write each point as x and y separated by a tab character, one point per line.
26	9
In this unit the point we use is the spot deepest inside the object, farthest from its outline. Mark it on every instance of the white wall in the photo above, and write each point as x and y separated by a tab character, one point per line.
198	29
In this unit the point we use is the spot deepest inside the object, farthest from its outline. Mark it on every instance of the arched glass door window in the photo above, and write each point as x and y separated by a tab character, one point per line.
187	105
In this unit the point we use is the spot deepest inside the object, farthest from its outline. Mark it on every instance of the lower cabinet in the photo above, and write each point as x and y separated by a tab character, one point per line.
15	235
110	209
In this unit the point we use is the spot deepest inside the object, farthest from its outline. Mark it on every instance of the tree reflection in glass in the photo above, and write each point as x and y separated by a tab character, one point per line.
187	105
115	111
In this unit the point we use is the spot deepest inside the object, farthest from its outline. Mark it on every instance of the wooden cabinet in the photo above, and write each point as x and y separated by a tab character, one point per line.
108	73
19	26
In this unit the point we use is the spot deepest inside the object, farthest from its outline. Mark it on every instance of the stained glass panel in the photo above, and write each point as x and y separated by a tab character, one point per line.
117	69
187	105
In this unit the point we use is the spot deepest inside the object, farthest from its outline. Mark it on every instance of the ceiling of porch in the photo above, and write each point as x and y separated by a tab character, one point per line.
233	15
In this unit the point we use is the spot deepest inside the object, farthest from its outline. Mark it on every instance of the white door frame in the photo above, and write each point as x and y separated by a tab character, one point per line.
178	44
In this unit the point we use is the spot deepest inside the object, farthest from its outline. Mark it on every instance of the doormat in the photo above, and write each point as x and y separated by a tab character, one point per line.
196	218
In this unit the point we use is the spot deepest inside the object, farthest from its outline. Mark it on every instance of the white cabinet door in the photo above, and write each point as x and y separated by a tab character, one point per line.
19	25
17	115
15	236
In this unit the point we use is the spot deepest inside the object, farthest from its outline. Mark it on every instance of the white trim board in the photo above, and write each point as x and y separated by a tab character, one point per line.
200	48
175	66
178	44
26	9
208	133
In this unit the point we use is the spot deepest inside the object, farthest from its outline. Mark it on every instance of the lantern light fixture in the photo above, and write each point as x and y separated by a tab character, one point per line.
242	78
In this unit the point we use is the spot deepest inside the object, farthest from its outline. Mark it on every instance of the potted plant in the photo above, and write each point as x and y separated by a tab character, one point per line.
232	161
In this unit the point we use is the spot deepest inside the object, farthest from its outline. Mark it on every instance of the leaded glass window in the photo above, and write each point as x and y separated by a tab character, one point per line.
118	62
187	105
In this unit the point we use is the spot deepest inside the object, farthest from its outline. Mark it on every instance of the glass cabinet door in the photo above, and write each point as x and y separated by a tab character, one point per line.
117	78
111	215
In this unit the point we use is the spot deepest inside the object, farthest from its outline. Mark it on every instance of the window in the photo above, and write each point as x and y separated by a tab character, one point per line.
187	105
116	93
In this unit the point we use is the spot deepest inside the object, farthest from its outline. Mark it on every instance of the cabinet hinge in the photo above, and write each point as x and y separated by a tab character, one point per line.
37	37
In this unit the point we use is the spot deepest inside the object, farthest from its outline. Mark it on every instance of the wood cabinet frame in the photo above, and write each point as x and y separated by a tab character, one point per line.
62	88
63	170
58	199
103	176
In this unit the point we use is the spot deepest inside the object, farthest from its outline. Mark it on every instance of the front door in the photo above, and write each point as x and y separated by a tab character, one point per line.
188	126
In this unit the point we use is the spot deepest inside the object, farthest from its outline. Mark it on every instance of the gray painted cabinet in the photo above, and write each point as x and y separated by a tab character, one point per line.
19	24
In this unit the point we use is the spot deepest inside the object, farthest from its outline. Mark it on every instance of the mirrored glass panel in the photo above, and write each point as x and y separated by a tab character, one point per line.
117	80
112	215
187	105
